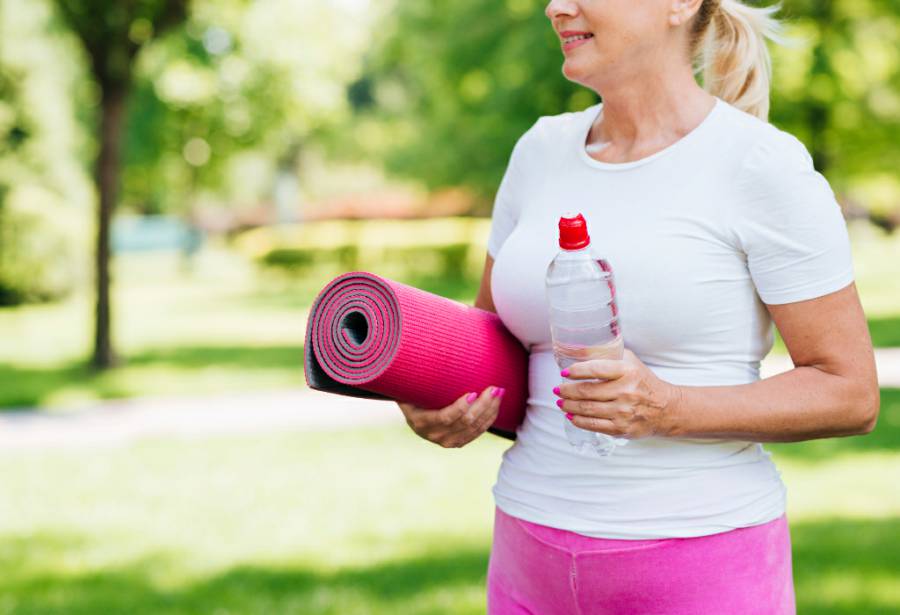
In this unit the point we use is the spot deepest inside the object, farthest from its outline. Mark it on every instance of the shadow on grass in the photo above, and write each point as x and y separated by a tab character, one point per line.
395	586
885	436
26	387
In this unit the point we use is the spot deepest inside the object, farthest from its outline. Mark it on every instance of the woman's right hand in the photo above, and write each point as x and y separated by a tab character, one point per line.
460	422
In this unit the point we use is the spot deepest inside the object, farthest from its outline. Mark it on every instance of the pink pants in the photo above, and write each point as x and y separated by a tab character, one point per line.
540	570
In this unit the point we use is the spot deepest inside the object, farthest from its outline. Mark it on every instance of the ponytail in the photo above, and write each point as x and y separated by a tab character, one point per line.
729	42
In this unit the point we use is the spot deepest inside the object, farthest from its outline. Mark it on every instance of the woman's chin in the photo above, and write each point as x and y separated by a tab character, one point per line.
584	71
573	70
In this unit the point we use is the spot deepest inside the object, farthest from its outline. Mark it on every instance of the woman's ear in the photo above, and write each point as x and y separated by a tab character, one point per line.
682	11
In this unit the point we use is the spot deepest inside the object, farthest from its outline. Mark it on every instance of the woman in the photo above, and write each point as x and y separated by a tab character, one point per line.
717	226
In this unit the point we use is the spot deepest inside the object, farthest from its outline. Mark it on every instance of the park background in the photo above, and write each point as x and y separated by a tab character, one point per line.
159	452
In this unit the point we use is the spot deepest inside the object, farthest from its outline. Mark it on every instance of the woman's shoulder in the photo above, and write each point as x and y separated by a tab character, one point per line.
761	146
775	170
551	130
553	125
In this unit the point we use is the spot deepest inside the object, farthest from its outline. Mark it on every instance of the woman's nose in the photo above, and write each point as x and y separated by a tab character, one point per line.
559	8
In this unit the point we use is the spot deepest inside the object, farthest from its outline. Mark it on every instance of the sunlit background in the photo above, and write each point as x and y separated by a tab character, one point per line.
164	455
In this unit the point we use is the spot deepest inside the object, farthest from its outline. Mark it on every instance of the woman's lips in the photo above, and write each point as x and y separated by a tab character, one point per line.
568	46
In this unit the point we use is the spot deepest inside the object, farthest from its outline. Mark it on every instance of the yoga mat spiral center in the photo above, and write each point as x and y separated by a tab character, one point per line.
356	327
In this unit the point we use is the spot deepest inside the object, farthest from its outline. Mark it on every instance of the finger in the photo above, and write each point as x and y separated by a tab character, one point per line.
590	408
604	426
606	369
489	415
449	416
481	405
586	389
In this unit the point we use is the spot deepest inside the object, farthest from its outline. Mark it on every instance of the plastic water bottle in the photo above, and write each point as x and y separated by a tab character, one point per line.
584	318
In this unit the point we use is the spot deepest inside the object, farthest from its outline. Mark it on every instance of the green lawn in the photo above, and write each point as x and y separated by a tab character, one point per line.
364	522
225	326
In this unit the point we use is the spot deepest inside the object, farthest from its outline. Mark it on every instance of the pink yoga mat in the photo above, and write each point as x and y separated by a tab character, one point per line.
371	337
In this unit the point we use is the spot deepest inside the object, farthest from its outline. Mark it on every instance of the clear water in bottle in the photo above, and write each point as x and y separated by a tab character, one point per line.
584	319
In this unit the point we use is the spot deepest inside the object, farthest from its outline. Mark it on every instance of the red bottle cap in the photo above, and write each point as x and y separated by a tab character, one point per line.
573	233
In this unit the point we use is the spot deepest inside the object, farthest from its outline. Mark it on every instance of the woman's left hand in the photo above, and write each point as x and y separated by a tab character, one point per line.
631	403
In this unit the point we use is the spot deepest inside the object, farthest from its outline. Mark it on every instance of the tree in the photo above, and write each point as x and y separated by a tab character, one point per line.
112	33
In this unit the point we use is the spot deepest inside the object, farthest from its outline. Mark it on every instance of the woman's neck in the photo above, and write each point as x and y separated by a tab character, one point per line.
644	115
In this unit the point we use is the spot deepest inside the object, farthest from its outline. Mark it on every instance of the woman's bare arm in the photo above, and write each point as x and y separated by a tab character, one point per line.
485	299
832	390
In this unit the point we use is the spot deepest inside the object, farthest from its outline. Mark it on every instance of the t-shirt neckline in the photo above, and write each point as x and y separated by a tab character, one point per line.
622	166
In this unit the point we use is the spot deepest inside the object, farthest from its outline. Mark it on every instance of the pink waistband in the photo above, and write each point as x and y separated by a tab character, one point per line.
539	569
580	543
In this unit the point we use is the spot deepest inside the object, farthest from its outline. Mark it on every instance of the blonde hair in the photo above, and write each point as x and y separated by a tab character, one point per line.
728	43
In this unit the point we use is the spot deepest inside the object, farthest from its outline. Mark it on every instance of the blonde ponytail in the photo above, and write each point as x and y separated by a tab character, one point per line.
729	42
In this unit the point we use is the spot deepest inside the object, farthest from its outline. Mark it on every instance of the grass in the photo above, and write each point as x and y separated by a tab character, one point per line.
370	522
224	326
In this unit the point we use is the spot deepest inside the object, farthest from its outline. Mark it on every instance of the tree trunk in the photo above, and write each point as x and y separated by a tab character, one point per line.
107	181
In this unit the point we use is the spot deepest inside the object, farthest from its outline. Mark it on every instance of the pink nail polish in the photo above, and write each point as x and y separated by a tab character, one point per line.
569	415
556	390
471	397
564	373
559	403
496	392
502	391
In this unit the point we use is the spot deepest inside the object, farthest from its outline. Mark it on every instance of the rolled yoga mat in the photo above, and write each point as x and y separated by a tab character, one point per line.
371	337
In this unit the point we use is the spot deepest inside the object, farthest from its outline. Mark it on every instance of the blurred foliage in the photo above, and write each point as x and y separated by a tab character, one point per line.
42	235
39	246
837	87
217	105
449	248
42	92
456	83
234	96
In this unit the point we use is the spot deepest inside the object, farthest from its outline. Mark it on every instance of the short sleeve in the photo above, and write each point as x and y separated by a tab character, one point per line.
507	203
789	224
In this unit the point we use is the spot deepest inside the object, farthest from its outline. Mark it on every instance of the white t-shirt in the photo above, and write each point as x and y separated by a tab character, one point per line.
699	235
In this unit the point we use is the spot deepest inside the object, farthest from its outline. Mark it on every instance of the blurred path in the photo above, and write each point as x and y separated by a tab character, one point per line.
123	421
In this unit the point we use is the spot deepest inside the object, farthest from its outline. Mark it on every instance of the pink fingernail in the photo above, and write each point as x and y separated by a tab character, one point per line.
564	373
556	390
496	392
502	391
471	397
559	403
569	415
